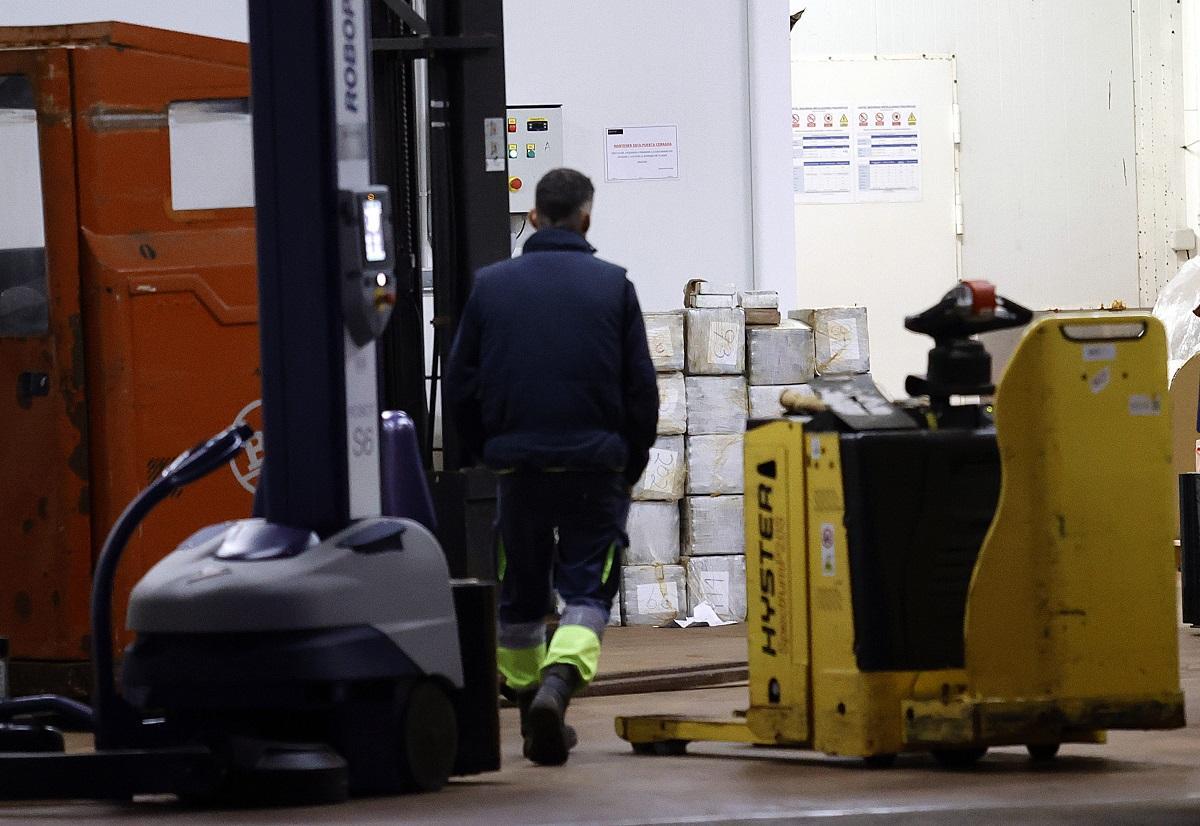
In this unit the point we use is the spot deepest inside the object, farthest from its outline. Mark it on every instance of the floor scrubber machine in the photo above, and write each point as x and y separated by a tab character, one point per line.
319	649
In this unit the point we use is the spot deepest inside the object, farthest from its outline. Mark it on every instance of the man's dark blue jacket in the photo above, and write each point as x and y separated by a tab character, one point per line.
550	368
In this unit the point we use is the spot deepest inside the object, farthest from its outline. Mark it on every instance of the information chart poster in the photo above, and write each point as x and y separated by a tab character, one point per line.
856	154
822	155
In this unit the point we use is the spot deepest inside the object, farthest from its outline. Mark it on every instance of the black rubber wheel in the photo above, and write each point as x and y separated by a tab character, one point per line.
1042	752
958	758
879	761
662	748
428	741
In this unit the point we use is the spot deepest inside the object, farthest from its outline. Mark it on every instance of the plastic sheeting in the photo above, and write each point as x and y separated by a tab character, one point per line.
781	355
672	404
664	334
653	530
721	582
716	342
1174	308
665	473
714	464
716	404
713	525
653	594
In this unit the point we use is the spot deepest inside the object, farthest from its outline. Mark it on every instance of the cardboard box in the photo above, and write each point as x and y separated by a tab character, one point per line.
716	404
721	582
781	355
664	334
764	403
653	530
653	594
713	525
841	341
672	404
664	476
716	342
714	464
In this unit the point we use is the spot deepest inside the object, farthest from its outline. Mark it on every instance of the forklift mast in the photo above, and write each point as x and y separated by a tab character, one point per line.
462	42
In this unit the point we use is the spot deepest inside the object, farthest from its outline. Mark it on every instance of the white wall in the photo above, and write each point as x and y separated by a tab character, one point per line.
1191	110
681	62
621	62
1048	164
214	18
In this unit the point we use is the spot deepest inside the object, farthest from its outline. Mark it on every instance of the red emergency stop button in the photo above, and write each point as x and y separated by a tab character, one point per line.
514	184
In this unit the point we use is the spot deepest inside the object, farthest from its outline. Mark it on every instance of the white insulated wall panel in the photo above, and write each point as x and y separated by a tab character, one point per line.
617	63
1048	171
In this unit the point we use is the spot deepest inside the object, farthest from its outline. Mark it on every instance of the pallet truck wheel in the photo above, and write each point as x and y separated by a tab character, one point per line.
428	738
958	758
1042	752
879	761
662	748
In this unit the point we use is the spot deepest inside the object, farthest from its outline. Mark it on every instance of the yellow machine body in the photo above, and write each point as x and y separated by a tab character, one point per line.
1070	625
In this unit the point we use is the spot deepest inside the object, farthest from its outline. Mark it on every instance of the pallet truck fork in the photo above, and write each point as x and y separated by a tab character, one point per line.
921	580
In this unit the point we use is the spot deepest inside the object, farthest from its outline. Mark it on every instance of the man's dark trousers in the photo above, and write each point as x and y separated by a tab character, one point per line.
586	511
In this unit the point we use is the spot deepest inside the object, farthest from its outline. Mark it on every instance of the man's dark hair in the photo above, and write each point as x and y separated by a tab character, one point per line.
561	195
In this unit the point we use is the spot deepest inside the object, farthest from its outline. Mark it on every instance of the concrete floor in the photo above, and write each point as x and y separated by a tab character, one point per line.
1137	778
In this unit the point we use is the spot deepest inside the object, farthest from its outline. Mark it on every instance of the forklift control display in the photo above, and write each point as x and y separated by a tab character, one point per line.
368	265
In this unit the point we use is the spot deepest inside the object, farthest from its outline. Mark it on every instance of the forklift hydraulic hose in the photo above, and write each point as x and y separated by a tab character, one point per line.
112	716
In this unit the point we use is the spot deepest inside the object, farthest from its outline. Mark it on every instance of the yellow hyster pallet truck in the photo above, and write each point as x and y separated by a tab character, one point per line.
945	577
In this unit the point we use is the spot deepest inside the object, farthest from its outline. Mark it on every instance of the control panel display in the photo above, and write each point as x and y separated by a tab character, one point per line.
534	148
367	274
374	248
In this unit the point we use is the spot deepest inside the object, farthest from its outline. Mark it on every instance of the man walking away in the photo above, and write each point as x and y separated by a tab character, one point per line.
550	382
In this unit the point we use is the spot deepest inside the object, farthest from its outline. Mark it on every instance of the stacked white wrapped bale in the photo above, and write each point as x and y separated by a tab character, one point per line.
713	525
840	338
664	334
783	354
666	472
715	404
759	299
653	530
721	582
764	400
716	342
714	464
672	404
653	594
761	307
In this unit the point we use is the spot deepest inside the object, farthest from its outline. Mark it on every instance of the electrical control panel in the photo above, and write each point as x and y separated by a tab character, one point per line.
533	138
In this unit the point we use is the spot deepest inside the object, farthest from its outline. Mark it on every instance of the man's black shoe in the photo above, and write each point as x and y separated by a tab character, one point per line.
549	739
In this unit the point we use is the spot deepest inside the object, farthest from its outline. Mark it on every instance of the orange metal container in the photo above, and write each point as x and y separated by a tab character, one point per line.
153	338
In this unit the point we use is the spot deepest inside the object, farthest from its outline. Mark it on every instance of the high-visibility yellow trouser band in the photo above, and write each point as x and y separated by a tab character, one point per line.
575	645
521	667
